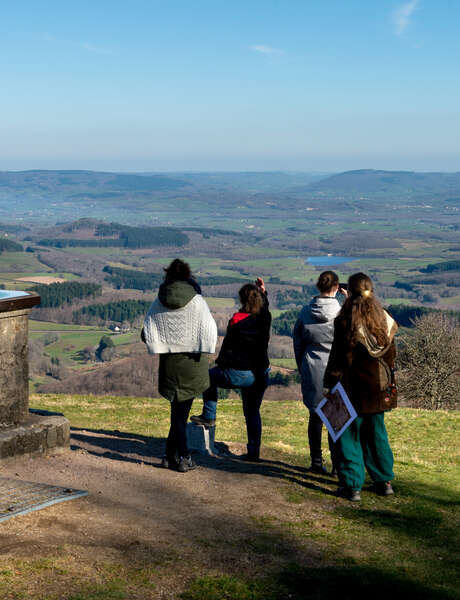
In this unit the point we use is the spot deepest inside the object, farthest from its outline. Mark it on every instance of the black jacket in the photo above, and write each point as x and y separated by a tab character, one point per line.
245	346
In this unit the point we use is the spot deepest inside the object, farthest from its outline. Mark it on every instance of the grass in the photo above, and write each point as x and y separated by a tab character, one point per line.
22	261
287	363
392	546
220	302
74	338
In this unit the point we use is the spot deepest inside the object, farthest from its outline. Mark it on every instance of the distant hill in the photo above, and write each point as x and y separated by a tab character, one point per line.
369	182
84	183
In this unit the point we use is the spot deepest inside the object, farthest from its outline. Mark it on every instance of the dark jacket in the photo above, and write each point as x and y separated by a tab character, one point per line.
245	346
365	371
182	376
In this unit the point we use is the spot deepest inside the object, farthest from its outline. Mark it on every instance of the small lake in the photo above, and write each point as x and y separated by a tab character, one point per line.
327	261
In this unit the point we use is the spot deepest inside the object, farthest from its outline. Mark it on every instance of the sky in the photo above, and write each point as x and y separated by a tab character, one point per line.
226	85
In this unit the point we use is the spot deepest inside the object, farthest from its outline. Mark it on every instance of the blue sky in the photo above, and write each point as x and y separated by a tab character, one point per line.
230	85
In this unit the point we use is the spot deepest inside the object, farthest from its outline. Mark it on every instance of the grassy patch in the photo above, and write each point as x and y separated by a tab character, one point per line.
220	302
287	363
404	545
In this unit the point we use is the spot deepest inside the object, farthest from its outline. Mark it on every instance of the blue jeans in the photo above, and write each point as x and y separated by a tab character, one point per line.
252	391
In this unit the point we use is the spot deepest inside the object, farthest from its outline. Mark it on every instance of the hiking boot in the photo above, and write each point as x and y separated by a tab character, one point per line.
318	469
349	494
383	488
200	420
186	464
249	457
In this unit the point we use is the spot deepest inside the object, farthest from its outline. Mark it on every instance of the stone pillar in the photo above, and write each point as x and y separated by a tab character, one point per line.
14	367
22	433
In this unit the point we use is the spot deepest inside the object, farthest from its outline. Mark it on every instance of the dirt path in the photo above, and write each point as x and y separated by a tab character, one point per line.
139	517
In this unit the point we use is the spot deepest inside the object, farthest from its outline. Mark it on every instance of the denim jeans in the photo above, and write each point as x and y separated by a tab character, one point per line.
252	391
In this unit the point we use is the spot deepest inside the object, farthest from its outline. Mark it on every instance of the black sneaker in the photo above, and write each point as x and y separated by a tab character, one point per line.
318	469
383	488
250	457
186	464
349	494
169	463
200	420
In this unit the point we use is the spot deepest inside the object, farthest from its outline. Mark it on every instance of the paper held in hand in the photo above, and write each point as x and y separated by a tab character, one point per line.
336	412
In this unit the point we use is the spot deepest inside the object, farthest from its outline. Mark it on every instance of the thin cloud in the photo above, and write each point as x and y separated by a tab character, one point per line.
402	16
86	46
267	50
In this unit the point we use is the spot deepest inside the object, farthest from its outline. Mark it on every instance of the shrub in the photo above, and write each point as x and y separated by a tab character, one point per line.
105	350
430	362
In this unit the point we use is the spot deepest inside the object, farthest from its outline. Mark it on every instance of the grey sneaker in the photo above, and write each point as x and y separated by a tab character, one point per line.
349	494
186	464
200	420
383	488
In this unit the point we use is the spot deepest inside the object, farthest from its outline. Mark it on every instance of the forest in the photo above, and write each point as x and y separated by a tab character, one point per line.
58	294
118	312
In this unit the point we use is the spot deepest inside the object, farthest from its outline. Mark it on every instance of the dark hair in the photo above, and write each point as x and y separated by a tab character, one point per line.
178	270
326	281
251	299
362	308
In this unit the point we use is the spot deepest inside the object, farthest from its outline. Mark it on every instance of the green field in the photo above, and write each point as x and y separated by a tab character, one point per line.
220	302
287	363
21	261
74	338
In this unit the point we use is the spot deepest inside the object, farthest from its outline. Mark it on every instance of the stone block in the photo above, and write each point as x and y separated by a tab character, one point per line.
37	435
201	438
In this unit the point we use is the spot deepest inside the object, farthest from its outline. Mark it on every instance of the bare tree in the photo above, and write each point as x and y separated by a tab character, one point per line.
429	357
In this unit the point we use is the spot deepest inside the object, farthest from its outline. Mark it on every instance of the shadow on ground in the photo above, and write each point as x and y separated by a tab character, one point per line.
181	534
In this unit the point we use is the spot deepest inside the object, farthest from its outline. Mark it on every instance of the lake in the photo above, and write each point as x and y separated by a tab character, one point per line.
327	261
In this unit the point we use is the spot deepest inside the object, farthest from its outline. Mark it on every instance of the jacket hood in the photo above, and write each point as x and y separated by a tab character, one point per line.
176	295
324	308
369	341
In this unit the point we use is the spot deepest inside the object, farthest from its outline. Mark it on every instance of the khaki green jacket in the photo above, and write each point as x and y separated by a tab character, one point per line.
182	376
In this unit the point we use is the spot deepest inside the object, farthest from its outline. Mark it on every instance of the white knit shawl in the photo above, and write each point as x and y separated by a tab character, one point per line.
188	329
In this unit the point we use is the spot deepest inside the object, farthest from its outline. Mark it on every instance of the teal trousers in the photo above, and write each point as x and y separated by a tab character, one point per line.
364	445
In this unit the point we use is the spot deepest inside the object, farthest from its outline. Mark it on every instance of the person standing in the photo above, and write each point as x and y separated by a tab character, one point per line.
362	358
243	363
180	328
312	339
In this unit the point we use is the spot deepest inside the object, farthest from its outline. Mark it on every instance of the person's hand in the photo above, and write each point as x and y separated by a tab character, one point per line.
344	292
260	284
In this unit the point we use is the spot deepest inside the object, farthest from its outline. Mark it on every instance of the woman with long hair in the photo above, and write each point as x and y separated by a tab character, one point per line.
362	358
243	363
312	337
180	328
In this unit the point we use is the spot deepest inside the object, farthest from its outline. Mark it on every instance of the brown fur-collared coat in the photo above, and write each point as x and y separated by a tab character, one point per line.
365	371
